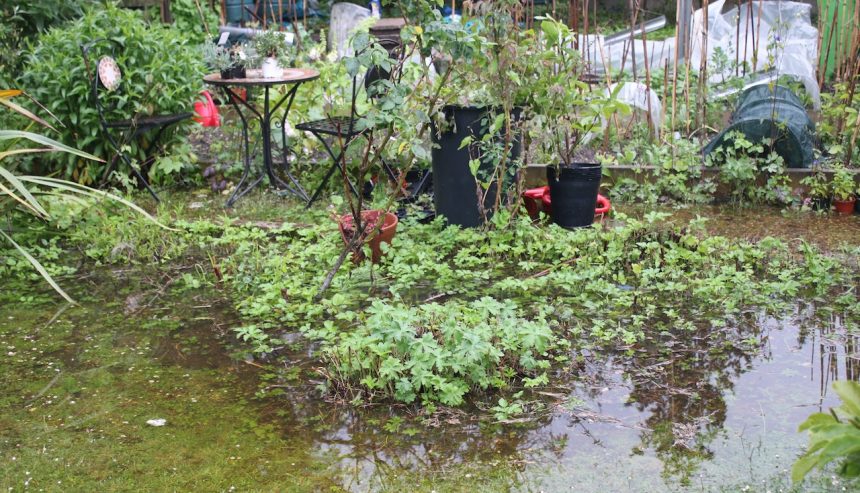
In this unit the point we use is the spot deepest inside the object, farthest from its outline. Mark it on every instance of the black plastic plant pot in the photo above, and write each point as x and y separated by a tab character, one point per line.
454	186
574	193
820	204
234	72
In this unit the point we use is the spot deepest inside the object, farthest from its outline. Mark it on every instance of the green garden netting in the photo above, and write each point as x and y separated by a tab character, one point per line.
775	116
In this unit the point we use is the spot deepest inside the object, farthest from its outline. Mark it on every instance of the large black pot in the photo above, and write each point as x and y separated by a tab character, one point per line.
574	193
454	186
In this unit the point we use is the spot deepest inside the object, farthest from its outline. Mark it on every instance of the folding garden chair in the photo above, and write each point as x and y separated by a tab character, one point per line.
107	76
343	129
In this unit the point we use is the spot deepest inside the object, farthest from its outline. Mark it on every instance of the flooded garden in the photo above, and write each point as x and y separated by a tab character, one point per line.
409	246
690	405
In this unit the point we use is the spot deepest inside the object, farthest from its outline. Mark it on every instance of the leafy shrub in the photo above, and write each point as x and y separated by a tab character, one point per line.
22	21
834	436
187	18
596	288
741	162
161	74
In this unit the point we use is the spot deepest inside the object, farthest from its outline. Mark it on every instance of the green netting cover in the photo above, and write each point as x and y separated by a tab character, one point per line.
767	114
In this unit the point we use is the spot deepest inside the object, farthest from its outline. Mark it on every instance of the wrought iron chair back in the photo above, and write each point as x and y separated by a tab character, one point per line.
107	76
343	128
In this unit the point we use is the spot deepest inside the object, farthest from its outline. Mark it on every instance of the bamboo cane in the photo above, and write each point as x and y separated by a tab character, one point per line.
703	68
747	26
757	36
737	41
647	62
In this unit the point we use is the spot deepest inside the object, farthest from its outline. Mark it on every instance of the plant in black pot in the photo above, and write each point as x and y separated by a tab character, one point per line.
570	115
817	190
229	62
477	118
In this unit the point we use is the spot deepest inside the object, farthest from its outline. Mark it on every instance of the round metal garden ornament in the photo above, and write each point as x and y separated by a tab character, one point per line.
109	73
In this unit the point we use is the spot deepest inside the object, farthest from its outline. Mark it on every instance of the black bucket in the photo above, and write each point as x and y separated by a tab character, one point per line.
574	194
454	187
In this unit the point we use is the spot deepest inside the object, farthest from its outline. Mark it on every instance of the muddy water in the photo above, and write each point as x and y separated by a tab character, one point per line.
711	411
826	230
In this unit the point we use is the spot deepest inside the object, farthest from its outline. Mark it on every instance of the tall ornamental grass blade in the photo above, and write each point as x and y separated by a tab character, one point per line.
25	112
35	263
89	192
18	185
31	150
10	193
47	141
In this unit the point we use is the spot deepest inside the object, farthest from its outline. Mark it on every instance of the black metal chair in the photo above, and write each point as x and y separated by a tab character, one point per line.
343	129
108	76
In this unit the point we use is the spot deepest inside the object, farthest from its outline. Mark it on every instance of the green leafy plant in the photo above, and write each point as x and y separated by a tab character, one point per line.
440	352
844	187
833	436
161	74
569	111
258	338
217	57
196	17
505	410
272	44
818	187
22	22
742	163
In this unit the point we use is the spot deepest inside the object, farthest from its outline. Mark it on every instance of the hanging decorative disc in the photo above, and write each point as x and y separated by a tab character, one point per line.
109	73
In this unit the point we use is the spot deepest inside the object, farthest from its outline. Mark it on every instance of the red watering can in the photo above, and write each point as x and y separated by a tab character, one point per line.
206	113
538	199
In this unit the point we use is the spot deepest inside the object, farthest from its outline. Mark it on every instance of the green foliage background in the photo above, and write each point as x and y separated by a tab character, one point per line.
162	74
22	21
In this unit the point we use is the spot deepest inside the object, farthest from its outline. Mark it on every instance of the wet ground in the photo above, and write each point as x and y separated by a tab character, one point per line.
715	411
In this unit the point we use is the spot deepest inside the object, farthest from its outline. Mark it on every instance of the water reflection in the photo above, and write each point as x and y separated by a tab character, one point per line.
675	399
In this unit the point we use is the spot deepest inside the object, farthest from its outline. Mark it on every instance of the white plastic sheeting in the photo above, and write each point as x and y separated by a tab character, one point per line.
344	18
618	56
786	43
775	36
639	96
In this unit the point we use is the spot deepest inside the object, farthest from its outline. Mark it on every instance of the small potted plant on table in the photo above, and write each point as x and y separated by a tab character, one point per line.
571	113
271	46
231	62
844	190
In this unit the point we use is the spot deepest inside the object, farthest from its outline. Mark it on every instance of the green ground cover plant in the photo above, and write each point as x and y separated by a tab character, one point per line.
453	316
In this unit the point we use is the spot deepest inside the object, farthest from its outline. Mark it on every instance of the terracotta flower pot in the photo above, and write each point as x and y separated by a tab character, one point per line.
844	206
371	220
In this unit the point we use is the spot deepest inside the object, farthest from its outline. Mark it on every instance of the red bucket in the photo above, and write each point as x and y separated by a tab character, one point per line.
538	199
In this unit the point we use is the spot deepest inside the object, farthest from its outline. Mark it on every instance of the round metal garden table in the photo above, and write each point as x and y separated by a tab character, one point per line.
292	77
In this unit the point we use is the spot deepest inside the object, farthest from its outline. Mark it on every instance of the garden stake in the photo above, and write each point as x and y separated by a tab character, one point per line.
757	37
747	32
703	69
202	18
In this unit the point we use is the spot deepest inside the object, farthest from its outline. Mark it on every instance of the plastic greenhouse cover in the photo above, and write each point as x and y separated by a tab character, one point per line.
777	36
773	113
